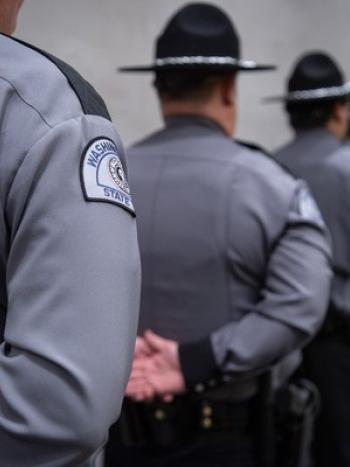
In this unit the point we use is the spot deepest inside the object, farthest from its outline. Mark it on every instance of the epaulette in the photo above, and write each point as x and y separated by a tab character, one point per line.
256	147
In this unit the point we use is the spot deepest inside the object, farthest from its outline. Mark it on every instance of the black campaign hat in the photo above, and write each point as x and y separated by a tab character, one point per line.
315	77
198	36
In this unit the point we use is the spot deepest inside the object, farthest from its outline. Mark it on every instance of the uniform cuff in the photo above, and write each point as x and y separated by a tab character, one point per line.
197	362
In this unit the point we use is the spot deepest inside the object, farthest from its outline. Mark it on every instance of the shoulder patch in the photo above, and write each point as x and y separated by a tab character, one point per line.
102	174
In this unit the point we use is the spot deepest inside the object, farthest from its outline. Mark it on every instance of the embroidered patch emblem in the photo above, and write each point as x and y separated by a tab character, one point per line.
308	208
102	175
116	171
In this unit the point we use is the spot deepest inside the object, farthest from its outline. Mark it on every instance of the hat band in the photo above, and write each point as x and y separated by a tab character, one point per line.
320	93
201	60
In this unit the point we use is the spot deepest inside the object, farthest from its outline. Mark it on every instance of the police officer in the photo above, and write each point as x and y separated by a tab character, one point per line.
235	261
69	268
316	103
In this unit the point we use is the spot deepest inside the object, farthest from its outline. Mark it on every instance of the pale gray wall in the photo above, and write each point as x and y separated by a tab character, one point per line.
96	36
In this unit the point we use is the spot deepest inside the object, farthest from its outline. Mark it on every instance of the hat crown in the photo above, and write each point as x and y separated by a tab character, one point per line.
199	29
315	70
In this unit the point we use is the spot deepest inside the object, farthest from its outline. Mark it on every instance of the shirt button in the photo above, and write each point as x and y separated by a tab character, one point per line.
206	423
199	387
207	411
160	415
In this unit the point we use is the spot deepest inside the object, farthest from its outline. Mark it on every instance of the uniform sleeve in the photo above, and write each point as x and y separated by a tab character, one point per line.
73	281
339	225
293	298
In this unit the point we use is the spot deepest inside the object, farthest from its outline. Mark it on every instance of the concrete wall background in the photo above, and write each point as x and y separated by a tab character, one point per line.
95	36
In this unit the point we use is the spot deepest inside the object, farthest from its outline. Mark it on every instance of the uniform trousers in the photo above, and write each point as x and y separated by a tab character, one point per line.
327	364
210	450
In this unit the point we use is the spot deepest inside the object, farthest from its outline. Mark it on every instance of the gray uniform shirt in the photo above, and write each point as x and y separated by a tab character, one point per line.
69	269
318	157
234	267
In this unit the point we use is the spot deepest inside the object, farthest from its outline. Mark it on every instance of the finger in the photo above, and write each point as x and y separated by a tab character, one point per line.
138	382
159	361
149	364
135	388
167	398
137	373
154	341
149	394
142	348
145	389
142	364
138	397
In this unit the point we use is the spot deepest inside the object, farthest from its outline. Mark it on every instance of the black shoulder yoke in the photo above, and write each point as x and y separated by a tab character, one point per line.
91	102
252	146
255	147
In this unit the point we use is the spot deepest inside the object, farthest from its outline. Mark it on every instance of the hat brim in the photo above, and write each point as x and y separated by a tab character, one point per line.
313	95
199	63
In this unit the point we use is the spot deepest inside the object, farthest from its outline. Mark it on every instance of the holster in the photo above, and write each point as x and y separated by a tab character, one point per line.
296	408
287	419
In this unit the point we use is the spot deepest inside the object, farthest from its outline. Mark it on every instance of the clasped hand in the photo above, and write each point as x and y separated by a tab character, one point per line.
156	369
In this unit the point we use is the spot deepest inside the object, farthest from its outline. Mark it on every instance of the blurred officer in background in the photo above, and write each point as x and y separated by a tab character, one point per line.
316	103
70	271
235	261
347	137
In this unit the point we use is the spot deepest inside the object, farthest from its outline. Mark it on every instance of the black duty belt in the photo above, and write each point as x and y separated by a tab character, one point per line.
335	326
164	424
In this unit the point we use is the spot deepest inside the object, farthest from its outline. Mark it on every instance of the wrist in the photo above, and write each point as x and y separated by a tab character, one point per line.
197	362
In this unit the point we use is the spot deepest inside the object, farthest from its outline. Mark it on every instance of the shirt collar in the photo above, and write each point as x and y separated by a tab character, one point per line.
321	140
181	120
318	134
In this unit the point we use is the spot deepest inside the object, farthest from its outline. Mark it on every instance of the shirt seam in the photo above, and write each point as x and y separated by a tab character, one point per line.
51	128
28	104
